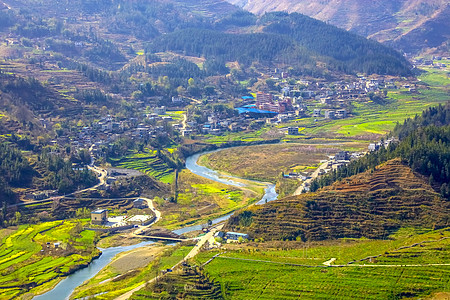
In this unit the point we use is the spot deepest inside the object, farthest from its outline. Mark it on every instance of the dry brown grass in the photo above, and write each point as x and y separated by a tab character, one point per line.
266	162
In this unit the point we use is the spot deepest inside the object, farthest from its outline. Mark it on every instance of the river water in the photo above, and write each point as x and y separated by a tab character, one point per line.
65	288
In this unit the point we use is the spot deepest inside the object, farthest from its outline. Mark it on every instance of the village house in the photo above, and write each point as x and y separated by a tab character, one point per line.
99	217
329	114
343	155
234	236
292	130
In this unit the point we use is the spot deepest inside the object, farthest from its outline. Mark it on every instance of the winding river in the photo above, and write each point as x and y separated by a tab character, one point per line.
64	289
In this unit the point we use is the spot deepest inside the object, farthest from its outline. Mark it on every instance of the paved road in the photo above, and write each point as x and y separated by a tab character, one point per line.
142	228
209	237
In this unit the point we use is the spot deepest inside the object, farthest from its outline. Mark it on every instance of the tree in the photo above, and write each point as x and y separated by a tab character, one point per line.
17	217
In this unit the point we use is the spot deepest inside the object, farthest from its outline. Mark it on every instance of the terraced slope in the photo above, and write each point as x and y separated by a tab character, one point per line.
372	205
189	283
148	163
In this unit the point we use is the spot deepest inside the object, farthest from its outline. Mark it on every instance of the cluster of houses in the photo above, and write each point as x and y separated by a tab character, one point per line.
431	62
382	143
217	124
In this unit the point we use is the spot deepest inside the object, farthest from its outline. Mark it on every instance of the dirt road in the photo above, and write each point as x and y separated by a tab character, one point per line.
314	175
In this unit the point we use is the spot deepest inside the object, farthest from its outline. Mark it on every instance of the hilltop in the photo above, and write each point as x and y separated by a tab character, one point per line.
406	24
372	204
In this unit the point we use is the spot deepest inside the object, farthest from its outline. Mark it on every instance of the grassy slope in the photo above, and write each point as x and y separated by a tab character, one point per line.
265	280
23	265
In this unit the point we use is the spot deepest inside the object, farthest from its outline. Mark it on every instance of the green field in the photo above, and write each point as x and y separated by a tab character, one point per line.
28	257
200	199
268	270
148	163
371	119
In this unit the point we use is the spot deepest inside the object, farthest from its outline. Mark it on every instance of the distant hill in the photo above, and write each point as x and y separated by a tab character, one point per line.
372	204
216	30
407	24
286	39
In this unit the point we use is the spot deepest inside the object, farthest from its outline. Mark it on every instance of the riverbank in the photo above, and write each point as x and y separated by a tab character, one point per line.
64	288
122	267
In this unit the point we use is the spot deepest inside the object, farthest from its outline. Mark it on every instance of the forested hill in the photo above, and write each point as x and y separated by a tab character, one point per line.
212	29
346	51
292	39
424	145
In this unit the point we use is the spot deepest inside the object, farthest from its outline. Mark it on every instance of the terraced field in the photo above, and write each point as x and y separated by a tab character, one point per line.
399	268
371	204
30	261
192	283
148	163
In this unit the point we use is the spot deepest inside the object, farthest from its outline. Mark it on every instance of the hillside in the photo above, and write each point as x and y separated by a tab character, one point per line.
371	204
383	20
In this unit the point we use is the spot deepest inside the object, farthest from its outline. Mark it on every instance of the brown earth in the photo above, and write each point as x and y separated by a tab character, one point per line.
135	259
372	204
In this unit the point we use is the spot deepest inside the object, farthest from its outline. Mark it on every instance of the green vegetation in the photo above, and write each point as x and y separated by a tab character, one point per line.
273	277
424	146
14	171
30	260
147	162
132	269
200	199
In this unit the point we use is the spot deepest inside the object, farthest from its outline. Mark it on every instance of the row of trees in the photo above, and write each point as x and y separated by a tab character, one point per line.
424	146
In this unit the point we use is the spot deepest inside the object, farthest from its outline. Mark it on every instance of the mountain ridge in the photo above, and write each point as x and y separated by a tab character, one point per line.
382	20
